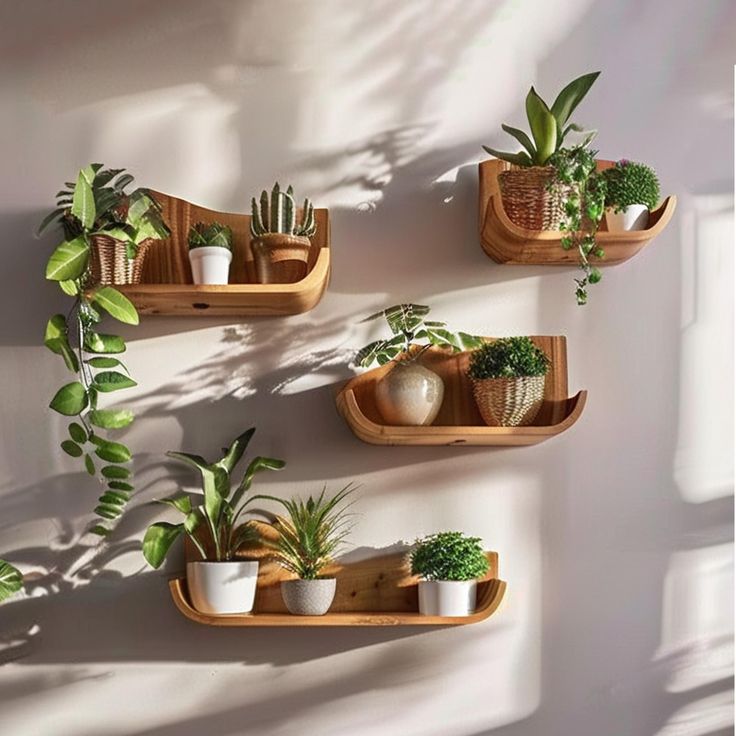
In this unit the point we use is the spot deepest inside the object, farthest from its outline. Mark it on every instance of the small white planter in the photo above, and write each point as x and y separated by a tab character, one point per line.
210	264
222	587
447	597
633	217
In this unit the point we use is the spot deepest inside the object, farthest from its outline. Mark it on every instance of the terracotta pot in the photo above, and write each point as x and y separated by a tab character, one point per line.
409	395
509	402
309	597
280	258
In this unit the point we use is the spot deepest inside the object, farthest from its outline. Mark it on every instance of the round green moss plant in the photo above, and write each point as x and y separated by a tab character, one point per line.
205	235
508	357
449	556
628	182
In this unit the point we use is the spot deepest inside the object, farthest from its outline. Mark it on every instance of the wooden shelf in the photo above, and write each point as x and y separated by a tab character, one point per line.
459	421
166	286
374	592
510	244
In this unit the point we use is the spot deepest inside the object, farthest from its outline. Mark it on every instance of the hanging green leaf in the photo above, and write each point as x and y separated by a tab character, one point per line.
77	433
89	464
99	530
69	287
56	340
83	202
111	418
113	452
70	400
108	381
69	260
114	498
104	363
98	342
107	511
119	485
115	471
11	580
116	305
158	539
71	448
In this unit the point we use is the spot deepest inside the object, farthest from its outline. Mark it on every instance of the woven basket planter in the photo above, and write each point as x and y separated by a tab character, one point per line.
281	258
109	262
509	402
528	200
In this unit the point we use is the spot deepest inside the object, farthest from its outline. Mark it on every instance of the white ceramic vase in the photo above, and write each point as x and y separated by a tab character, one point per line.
447	597
309	597
222	587
409	395
210	264
633	217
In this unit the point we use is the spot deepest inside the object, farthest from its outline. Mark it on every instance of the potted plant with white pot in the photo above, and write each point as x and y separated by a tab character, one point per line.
307	539
280	238
449	565
410	394
632	192
508	378
210	252
220	582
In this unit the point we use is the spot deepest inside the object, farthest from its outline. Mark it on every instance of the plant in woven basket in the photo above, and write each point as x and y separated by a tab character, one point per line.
449	556
628	182
508	378
279	214
11	580
208	235
90	206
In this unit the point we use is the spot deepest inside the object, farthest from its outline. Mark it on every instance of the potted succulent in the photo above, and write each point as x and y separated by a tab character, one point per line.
308	538
508	378
632	192
410	394
281	244
449	565
219	582
526	192
210	252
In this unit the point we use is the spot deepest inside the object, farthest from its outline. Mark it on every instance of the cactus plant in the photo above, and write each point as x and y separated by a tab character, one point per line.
278	214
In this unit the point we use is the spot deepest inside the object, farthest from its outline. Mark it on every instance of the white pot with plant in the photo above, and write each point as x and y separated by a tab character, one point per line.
307	539
410	394
221	582
508	378
210	252
632	192
449	565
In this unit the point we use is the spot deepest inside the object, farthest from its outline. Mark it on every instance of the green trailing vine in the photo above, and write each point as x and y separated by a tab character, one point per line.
96	204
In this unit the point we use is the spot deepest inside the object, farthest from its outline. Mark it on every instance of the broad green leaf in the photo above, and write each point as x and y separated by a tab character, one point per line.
233	454
70	400
55	339
522	137
139	205
123	234
113	452
181	503
108	381
256	466
158	540
518	159
111	418
115	471
69	260
571	96
77	433
543	125
69	287
122	181
11	580
98	342
104	363
83	203
71	448
116	305
119	485
89	464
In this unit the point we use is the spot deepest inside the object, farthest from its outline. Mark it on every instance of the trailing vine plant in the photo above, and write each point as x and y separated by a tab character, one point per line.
96	204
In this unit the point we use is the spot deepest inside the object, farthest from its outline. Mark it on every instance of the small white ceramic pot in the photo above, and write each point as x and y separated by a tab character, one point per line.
309	597
222	587
447	597
210	264
409	395
633	217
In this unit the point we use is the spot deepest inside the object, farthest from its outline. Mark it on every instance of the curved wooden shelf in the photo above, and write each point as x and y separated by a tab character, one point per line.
459	422
166	286
508	243
375	592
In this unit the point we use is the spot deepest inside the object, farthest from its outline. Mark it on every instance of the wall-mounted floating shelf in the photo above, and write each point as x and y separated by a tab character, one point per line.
459	422
166	286
374	592
510	244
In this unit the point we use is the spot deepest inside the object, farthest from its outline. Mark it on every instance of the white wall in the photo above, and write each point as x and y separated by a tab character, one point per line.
615	538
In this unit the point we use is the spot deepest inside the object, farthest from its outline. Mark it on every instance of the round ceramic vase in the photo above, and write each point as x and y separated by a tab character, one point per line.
222	587
409	395
633	217
447	597
309	597
210	264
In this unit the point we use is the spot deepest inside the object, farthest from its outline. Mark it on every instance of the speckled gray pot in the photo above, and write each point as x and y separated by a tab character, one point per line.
309	597
409	395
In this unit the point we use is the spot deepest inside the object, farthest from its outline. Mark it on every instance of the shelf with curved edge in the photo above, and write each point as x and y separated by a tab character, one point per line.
510	244
166	286
459	421
375	592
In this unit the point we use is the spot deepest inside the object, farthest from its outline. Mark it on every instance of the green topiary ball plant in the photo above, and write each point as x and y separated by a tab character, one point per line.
508	357
627	183
449	556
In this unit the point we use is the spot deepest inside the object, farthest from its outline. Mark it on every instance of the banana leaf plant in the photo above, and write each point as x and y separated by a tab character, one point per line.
215	526
96	203
549	126
11	580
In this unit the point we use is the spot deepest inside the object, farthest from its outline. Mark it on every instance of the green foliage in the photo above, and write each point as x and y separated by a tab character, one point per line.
11	580
583	191
449	556
312	532
213	523
508	357
628	182
204	235
279	215
549	126
408	327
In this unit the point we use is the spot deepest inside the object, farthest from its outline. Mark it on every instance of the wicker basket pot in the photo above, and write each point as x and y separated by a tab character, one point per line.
509	402
280	258
109	262
528	200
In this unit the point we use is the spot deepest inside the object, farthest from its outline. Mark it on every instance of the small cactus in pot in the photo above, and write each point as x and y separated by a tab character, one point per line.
280	240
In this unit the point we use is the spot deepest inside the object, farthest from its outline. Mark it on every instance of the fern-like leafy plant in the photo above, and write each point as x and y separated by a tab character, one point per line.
508	357
214	234
627	183
449	556
279	214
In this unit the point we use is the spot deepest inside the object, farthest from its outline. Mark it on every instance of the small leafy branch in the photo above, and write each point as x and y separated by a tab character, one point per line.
408	327
96	204
279	214
449	556
204	235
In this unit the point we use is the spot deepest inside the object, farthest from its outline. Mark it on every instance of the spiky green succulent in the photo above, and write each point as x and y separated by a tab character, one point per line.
203	235
279	214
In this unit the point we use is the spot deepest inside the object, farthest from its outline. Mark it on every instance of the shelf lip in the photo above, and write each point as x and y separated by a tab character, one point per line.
177	587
